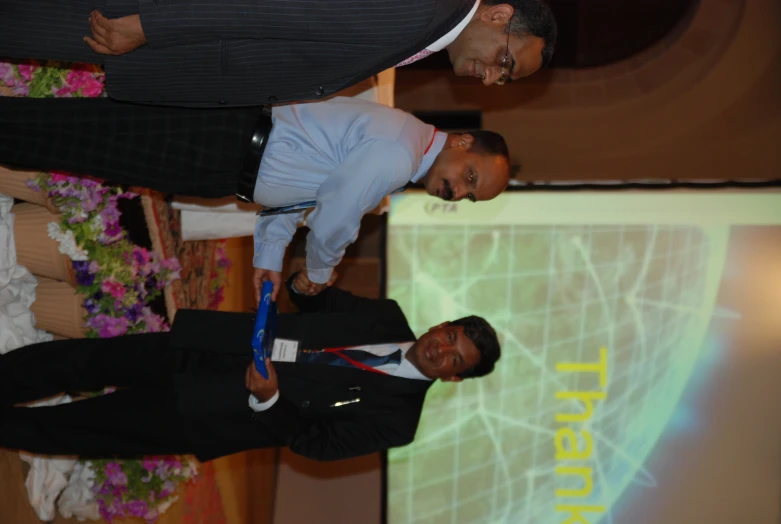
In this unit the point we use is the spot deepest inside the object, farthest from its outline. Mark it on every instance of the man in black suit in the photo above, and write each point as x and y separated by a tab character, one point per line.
186	391
224	53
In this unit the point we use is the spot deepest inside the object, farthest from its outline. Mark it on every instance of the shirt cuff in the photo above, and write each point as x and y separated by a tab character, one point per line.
320	276
269	256
257	405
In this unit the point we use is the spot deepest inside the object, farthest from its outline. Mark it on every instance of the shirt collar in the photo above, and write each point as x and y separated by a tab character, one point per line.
446	40
437	144
406	369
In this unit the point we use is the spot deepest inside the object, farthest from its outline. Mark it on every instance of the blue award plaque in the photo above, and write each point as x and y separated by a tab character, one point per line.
265	329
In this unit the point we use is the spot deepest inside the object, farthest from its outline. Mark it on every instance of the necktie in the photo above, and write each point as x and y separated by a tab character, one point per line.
415	57
348	357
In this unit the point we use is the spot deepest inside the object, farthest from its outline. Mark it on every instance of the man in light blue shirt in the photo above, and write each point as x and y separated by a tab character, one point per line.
343	156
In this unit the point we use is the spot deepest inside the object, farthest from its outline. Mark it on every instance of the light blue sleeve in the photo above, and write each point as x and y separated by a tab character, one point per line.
272	235
368	173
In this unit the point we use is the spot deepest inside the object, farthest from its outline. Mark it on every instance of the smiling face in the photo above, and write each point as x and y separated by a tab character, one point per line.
459	173
480	49
444	352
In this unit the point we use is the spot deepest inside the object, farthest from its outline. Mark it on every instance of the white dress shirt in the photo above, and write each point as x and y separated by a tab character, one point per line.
403	370
446	40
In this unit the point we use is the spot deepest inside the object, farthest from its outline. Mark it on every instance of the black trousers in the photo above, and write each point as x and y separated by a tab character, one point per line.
186	151
139	419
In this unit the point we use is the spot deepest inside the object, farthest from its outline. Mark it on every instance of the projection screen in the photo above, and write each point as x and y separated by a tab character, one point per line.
641	367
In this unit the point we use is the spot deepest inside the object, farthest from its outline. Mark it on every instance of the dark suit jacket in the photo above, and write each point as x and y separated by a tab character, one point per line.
305	417
228	53
234	53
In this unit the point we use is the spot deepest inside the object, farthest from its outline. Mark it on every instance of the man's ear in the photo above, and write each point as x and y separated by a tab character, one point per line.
443	324
465	141
453	378
498	14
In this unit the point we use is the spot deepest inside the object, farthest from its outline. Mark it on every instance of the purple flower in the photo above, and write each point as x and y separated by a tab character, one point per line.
111	233
92	306
20	89
83	276
134	312
171	264
7	75
137	508
141	256
115	474
108	326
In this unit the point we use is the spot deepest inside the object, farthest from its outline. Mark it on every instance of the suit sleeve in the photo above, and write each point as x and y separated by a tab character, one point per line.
178	22
331	439
335	300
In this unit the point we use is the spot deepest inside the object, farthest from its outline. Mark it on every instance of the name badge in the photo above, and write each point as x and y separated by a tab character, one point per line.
284	350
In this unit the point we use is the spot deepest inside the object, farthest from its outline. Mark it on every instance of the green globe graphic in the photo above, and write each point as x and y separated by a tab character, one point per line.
485	449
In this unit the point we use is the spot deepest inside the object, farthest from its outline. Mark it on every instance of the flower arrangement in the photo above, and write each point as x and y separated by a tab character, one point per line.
52	79
137	488
118	278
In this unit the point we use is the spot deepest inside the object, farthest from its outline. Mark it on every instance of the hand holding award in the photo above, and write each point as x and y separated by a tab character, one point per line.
265	329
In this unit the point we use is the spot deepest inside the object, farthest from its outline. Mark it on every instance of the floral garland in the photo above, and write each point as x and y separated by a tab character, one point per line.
118	278
52	79
139	488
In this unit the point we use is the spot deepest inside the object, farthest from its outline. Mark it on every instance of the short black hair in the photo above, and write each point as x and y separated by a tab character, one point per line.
489	143
532	17
483	336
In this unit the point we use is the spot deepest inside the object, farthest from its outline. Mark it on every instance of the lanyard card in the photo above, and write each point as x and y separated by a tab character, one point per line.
265	331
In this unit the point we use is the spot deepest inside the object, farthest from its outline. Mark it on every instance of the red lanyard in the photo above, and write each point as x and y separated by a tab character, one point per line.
355	363
432	141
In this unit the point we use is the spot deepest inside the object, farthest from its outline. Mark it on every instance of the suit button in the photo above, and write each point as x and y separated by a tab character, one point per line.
305	404
272	98
223	102
319	91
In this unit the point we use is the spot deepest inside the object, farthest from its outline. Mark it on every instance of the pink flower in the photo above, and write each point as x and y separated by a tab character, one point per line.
154	323
149	465
62	92
113	288
59	177
26	70
80	81
91	88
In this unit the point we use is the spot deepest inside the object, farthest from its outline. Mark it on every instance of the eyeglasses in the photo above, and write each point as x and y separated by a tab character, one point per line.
506	64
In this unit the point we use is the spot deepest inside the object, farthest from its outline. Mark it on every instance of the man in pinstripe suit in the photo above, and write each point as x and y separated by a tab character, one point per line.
230	53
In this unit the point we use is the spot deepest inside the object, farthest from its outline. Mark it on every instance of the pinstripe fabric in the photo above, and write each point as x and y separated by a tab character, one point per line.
238	52
170	149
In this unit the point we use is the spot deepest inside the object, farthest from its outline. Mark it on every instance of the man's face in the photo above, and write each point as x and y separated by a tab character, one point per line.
444	352
458	173
481	47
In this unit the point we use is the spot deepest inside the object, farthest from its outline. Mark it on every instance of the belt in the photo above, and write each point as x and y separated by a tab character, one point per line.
245	187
